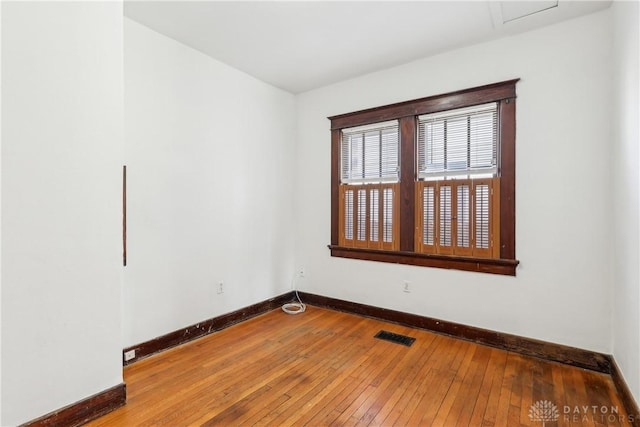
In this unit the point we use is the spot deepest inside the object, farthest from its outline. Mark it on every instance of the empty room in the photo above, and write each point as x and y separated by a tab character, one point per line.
275	213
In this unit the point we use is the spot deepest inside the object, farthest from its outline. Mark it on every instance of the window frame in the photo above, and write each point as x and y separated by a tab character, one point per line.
504	93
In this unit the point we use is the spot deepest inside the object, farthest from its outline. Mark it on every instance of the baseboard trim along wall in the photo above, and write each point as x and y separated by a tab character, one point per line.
189	333
549	351
85	410
625	392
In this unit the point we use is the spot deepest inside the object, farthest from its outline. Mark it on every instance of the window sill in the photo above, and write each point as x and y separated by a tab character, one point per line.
505	267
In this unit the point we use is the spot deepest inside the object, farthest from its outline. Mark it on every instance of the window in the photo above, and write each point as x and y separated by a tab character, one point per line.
457	185
368	187
428	182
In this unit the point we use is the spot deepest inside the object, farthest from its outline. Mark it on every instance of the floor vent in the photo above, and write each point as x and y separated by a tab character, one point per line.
396	338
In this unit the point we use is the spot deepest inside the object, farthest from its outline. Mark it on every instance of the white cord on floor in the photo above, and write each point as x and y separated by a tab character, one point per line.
294	307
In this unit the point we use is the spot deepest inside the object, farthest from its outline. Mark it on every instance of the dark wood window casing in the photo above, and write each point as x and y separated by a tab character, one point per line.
409	250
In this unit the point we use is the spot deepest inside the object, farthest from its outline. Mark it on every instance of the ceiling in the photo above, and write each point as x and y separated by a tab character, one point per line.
303	45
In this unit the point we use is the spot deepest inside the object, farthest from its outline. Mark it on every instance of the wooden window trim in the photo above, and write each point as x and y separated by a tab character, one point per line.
484	265
406	112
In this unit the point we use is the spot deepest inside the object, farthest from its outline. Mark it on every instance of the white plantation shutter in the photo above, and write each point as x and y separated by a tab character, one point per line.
369	154
460	142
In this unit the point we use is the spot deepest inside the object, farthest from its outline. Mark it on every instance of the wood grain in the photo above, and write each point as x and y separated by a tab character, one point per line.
505	267
406	202
431	104
324	367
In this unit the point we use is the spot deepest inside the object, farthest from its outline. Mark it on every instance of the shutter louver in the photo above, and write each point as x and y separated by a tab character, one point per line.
445	216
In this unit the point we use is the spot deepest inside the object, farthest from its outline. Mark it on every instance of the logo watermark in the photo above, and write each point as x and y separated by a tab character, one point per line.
545	411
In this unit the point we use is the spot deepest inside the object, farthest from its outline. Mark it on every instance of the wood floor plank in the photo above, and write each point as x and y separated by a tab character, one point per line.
355	404
454	388
515	401
416	370
404	371
324	367
528	367
436	379
469	396
488	393
502	409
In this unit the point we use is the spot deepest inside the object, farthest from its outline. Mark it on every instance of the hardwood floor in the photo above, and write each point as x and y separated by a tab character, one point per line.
324	367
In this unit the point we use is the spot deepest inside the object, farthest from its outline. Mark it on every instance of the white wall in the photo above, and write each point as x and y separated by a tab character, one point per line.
562	289
626	203
62	139
209	153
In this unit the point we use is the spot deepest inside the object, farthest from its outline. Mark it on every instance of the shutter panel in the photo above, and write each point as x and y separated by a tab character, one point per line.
374	215
367	216
429	220
463	217
426	201
387	216
348	214
390	224
445	217
482	216
486	202
458	217
361	218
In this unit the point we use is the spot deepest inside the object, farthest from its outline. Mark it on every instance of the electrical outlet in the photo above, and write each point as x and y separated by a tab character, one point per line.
301	272
406	287
220	287
128	355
